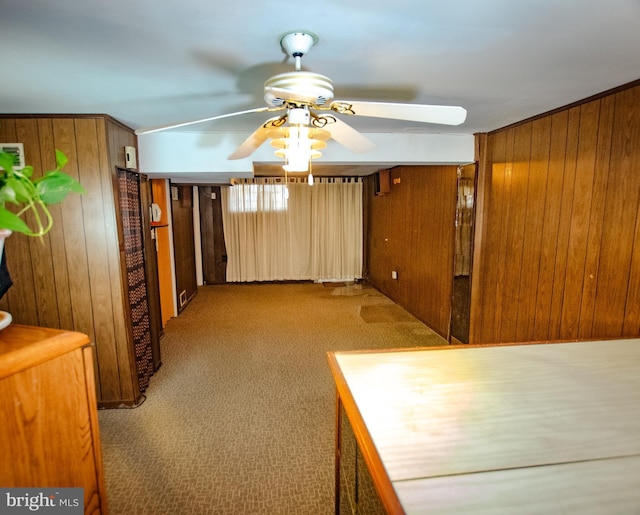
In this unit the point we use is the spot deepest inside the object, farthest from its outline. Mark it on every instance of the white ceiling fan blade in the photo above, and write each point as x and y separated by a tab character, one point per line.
446	115
251	144
348	137
159	128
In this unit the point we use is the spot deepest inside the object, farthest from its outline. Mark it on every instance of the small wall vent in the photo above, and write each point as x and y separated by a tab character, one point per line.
17	150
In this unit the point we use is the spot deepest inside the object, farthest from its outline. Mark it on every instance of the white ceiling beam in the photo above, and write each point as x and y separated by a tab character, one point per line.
184	154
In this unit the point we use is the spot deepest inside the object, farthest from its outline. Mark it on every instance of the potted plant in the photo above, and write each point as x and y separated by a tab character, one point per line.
30	197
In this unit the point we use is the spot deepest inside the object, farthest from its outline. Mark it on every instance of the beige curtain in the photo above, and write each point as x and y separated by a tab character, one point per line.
277	229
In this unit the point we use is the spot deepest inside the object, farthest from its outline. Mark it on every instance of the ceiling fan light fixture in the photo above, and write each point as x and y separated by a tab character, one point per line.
297	149
298	143
297	161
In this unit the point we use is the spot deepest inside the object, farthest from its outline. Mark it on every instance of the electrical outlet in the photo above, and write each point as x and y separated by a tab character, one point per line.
394	274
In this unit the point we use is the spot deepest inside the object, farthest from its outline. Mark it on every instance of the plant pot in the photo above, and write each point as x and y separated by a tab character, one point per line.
4	234
5	318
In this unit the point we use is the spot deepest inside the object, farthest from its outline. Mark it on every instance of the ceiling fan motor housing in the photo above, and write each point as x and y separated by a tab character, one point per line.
298	86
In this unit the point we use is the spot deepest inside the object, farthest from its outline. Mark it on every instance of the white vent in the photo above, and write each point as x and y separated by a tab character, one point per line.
17	149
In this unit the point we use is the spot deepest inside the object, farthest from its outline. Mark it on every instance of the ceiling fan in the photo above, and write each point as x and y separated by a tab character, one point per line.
306	100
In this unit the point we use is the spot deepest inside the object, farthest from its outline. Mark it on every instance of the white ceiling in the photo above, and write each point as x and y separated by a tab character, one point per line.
149	62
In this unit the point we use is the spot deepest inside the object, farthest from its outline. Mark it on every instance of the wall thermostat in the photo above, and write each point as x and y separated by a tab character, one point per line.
130	161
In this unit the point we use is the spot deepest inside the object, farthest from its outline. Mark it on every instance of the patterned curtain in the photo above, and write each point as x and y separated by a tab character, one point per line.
129	184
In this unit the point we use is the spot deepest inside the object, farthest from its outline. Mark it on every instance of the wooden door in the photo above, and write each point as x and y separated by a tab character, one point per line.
183	243
214	252
151	269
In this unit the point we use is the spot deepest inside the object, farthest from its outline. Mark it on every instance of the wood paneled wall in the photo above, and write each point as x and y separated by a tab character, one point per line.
557	253
214	252
183	247
73	278
410	230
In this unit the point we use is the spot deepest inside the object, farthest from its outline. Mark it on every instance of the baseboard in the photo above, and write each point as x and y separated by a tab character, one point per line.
126	404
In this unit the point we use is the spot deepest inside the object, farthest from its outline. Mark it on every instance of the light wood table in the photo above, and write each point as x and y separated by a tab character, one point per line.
535	428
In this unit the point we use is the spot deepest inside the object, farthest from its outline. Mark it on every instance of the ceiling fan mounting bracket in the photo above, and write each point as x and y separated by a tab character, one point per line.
298	42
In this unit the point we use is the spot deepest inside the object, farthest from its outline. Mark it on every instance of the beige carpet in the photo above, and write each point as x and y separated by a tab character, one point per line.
240	417
385	313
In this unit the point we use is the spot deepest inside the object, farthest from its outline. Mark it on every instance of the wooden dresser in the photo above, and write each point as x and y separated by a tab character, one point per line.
49	434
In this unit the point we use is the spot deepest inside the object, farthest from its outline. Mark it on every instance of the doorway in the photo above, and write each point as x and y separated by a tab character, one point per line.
464	230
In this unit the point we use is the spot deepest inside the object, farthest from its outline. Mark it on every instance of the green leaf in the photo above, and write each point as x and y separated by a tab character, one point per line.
6	161
11	221
18	187
61	159
7	194
27	171
22	189
55	186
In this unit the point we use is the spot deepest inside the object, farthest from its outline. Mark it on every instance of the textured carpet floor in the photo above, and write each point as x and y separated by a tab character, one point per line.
240	417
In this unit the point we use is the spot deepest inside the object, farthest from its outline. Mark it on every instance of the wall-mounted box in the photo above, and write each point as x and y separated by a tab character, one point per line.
130	158
383	182
17	150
